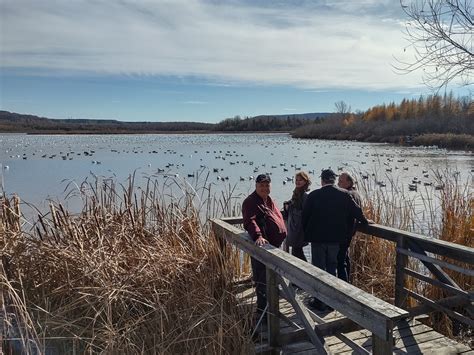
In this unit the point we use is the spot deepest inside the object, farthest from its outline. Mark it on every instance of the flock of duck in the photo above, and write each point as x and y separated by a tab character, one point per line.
225	163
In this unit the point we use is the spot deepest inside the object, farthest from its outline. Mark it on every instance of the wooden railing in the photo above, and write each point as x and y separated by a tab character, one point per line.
361	309
428	251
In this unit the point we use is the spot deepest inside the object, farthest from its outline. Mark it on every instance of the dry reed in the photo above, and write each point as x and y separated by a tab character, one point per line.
136	272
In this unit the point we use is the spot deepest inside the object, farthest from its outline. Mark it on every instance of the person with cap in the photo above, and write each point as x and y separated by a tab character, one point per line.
325	216
264	223
347	181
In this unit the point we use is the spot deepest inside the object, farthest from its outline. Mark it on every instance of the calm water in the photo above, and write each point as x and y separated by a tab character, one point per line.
38	168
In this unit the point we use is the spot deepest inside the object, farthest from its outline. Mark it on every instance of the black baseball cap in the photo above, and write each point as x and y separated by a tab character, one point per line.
328	174
263	178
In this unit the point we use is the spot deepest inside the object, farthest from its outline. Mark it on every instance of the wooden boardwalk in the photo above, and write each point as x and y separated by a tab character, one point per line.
410	337
360	323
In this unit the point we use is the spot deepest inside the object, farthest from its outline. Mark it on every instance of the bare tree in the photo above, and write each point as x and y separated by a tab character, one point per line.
342	108
441	34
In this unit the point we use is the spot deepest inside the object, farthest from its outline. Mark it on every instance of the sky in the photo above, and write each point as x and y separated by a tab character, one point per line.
196	60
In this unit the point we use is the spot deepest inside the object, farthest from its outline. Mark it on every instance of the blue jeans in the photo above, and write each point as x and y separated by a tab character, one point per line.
324	256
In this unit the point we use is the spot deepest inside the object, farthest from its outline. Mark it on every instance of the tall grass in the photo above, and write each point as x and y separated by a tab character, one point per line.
136	272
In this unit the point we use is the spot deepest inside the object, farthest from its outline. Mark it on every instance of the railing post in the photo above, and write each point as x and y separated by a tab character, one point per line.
273	311
383	346
400	276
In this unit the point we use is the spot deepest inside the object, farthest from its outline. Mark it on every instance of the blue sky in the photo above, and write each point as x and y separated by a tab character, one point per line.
190	60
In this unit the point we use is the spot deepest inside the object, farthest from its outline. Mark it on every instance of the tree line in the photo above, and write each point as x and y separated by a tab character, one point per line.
282	123
432	120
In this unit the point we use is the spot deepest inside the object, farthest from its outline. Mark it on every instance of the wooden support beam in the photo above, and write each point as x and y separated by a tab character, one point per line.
300	309
400	264
428	259
383	346
448	302
438	307
454	290
438	272
440	247
273	311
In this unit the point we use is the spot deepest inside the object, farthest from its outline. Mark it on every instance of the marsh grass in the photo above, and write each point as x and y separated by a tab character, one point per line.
136	272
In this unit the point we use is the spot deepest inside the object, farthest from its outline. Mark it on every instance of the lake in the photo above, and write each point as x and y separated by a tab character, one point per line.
39	167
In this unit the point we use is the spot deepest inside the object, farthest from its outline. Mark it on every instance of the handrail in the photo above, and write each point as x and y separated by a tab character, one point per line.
368	311
415	245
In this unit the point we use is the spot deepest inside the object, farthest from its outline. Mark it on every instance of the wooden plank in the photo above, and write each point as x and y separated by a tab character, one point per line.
405	329
453	314
400	265
273	311
367	342
467	295
436	246
429	259
300	309
432	342
233	220
363	308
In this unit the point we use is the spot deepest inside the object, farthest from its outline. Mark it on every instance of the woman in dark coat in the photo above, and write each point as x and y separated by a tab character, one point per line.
293	213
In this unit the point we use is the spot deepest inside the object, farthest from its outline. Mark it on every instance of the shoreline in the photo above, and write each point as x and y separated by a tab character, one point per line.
458	142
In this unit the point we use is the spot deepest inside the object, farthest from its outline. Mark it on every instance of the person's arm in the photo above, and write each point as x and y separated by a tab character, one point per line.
249	214
356	211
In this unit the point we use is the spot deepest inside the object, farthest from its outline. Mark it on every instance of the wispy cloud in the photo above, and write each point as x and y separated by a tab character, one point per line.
330	44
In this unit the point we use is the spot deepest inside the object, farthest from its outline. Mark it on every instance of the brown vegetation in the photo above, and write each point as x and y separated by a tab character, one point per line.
434	120
131	274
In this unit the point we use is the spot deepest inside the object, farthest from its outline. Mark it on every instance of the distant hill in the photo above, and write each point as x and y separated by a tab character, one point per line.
20	123
11	122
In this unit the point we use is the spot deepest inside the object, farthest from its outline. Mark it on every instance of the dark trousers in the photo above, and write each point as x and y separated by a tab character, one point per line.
343	262
259	273
324	256
298	252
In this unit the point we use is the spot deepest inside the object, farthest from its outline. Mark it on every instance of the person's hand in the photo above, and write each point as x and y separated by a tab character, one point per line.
261	241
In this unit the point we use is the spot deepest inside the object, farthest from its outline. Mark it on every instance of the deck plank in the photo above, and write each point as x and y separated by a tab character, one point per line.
410	337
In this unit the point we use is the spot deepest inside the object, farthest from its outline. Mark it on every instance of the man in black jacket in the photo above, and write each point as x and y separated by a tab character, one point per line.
325	216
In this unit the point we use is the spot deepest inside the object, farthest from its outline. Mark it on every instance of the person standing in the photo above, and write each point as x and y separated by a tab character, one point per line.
293	212
325	216
264	223
346	181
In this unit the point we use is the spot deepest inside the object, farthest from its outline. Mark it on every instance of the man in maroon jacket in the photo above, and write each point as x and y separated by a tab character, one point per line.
264	223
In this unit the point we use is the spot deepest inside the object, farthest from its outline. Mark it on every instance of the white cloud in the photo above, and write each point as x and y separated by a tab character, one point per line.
339	44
